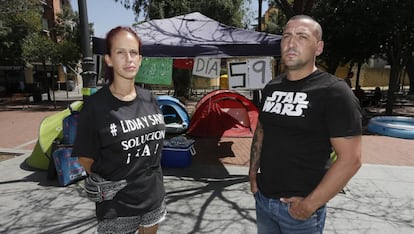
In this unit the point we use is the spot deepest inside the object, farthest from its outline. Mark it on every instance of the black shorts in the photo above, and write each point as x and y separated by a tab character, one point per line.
132	224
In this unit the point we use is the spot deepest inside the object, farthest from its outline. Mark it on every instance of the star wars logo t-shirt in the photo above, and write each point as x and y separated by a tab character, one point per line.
298	118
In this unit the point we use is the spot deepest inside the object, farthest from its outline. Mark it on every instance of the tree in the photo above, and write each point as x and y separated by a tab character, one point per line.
276	21
21	18
344	28
285	10
228	12
40	48
410	73
66	25
357	30
345	25
17	19
398	44
69	53
67	31
294	7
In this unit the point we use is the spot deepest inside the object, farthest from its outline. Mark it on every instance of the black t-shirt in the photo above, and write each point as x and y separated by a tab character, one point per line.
125	140
298	118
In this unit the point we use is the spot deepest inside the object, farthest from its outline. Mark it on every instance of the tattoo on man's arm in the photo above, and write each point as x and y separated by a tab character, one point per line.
256	149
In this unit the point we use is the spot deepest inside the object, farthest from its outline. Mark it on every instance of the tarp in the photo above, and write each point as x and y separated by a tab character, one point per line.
175	114
194	34
224	113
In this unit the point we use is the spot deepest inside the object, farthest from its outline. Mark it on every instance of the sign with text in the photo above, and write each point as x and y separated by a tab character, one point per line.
250	73
206	67
155	71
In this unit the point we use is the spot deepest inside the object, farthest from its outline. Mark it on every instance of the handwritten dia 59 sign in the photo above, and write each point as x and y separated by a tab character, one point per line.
252	73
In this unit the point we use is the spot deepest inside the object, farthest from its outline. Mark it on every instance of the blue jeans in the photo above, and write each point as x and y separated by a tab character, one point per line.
273	217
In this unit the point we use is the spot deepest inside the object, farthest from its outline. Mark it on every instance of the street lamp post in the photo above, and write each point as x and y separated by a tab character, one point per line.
259	18
88	65
256	92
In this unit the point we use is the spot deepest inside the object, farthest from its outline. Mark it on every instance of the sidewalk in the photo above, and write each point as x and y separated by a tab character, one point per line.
205	199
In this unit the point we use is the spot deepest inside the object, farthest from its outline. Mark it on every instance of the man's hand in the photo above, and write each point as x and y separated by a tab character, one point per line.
298	208
253	184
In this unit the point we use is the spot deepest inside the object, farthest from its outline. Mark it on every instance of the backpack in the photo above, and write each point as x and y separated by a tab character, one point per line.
62	165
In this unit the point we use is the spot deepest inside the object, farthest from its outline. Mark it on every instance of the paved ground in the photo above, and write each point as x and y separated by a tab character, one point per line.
210	196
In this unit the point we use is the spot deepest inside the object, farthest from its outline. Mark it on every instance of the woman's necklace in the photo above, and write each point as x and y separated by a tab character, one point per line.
129	96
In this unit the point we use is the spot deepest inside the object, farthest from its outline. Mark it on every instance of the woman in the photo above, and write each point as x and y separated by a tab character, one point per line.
119	141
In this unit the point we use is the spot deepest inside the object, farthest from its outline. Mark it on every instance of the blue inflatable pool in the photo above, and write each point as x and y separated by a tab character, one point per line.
394	126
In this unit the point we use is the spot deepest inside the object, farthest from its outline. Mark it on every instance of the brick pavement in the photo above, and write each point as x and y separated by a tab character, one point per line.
375	150
20	124
231	151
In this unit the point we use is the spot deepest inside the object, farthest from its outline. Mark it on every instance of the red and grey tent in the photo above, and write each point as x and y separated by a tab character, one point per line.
224	113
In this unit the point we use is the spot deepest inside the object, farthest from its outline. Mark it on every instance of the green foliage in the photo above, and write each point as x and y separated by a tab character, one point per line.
228	12
398	28
39	48
67	31
166	9
355	30
276	22
69	52
346	25
398	43
18	19
66	25
294	7
20	39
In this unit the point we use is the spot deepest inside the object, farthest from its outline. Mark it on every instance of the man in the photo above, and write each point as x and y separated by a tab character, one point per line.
304	115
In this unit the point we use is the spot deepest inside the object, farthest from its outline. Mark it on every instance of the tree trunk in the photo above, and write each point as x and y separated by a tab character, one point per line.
48	86
182	82
410	73
392	88
358	74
